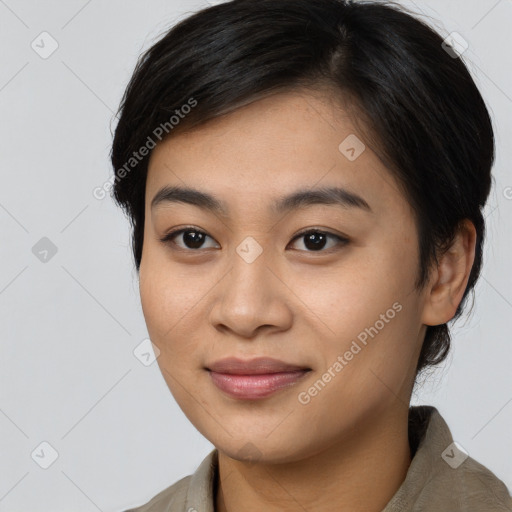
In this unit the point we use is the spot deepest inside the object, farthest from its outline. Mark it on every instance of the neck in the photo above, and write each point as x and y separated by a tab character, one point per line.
361	472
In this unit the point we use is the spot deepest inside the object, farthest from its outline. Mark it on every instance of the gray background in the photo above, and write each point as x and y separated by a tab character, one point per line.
70	324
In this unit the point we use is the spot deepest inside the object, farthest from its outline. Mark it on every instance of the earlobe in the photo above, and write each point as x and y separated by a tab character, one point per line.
449	280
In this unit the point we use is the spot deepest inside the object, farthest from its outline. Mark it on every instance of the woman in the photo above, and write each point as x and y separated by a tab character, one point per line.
305	180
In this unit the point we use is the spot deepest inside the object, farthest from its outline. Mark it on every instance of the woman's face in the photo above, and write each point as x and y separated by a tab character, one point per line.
245	282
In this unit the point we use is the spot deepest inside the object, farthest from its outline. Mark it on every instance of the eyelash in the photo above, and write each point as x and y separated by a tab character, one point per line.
167	238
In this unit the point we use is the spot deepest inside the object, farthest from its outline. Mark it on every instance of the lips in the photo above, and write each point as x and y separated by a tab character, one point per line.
257	366
254	379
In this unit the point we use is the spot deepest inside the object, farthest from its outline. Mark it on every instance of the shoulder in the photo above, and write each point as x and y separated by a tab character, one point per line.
170	499
444	477
471	487
196	489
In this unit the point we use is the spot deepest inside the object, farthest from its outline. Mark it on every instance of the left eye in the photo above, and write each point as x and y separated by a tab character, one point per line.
316	240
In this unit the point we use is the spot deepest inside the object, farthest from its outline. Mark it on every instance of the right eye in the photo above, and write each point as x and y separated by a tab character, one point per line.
191	238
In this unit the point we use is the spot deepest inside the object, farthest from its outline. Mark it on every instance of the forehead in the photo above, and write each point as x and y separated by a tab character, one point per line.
288	141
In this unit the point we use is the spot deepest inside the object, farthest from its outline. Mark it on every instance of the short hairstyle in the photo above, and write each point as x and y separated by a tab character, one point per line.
416	102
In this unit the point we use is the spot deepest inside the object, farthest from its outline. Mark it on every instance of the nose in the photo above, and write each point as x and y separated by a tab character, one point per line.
251	298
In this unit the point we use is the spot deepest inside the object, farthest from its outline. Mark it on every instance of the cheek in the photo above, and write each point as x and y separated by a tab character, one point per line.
173	303
366	307
348	296
159	294
165	313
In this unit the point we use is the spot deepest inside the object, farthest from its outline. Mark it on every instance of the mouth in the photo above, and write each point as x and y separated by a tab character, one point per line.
256	378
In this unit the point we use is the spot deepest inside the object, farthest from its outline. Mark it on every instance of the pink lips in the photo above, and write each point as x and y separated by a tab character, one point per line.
254	379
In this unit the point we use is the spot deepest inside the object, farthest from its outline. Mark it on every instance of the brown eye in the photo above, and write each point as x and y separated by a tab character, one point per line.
191	238
315	240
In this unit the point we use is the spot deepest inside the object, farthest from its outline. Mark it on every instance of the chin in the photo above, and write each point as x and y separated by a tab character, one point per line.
254	449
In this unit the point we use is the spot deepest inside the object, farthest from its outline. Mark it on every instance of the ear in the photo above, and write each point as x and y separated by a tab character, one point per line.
449	280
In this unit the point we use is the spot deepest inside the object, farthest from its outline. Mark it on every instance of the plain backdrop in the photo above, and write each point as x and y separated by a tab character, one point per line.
73	395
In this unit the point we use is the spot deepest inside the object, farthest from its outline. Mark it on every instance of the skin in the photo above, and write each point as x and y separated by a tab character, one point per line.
348	447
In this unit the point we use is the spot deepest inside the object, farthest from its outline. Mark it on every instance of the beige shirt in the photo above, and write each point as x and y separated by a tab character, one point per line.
441	478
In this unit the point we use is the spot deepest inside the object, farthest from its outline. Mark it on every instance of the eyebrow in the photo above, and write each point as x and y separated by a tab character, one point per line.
301	198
